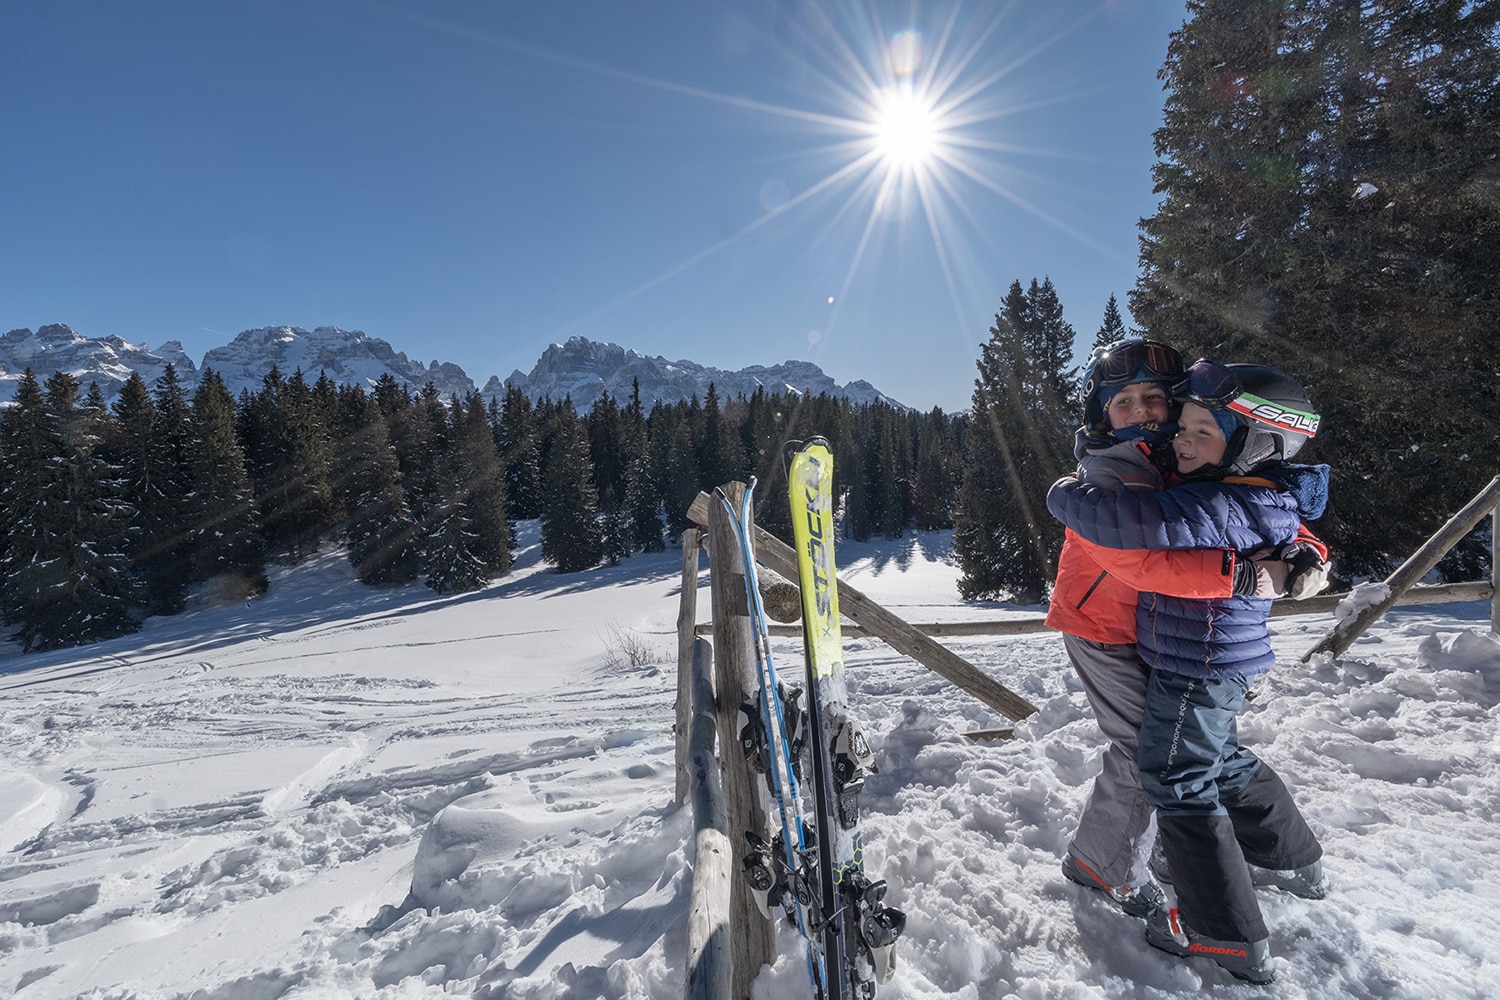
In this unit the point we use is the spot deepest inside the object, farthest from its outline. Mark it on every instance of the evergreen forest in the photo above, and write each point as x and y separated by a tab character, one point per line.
114	513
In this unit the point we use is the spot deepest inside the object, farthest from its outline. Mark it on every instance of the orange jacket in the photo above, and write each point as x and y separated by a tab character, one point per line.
1095	593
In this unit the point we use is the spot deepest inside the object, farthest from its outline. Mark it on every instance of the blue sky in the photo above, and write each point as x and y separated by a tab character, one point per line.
733	182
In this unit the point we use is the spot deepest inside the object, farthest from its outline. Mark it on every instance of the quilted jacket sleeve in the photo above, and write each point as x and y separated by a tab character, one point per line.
1196	573
1191	516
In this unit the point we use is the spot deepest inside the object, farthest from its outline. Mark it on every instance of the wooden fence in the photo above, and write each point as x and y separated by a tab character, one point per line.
728	938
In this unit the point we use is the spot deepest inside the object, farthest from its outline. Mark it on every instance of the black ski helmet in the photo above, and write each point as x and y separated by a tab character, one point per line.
1273	411
1129	360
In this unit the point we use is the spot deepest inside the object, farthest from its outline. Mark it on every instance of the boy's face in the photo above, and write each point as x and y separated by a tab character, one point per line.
1199	441
1137	403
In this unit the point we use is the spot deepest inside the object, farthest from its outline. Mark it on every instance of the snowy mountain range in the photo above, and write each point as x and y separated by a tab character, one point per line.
585	370
581	368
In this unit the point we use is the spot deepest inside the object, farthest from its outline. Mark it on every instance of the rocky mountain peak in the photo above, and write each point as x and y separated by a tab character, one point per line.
582	369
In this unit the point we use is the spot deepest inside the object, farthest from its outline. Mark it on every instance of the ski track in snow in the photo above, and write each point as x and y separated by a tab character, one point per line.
338	792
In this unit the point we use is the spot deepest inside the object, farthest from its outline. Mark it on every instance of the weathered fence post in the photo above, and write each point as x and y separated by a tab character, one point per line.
1342	635
709	958
687	618
754	943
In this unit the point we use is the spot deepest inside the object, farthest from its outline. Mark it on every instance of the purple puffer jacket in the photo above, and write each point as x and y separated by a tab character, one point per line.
1224	637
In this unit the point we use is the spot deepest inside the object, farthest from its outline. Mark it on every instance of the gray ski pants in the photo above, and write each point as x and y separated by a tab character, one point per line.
1118	826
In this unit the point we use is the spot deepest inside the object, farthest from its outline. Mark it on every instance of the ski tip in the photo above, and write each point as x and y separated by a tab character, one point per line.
791	449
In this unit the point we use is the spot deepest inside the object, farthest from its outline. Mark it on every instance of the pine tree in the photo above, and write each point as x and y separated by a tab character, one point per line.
1018	445
935	472
1331	207
719	460
518	437
483	485
378	530
466	534
66	579
570	508
605	426
227	551
893	510
1112	328
642	498
286	449
26	447
164	553
130	446
1048	343
674	459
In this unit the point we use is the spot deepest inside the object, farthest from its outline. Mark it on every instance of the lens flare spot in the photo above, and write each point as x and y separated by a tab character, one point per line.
830	300
813	336
904	54
774	194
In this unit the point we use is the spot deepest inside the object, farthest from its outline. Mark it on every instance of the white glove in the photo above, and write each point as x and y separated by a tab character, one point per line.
1308	571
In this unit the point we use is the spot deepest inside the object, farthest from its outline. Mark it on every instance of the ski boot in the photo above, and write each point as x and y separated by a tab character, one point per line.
1309	882
1250	961
1135	901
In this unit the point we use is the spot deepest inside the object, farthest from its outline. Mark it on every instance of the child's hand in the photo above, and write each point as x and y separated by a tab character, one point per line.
1308	571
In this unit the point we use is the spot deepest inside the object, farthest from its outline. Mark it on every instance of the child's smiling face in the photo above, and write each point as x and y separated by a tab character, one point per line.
1199	441
1137	403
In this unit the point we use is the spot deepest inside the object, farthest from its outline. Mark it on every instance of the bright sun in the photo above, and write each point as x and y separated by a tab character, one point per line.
906	130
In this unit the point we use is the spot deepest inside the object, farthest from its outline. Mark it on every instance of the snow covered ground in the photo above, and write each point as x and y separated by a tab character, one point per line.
336	791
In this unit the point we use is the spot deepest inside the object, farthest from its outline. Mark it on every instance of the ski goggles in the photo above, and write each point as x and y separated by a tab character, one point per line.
1208	384
1216	387
1147	360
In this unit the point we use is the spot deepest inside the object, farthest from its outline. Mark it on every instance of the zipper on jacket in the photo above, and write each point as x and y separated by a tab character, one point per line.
1090	592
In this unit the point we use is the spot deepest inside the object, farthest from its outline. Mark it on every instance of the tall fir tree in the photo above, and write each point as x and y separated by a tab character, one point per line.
130	446
571	538
894	484
26	446
165	551
935	472
674	458
518	437
226	546
379	533
1019	444
605	425
642	498
287	451
1112	327
1331	207
482	484
66	574
466	535
719	458
1048	342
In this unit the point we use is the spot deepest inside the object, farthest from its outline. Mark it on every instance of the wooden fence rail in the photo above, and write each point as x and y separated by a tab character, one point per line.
1437	593
779	557
1487	501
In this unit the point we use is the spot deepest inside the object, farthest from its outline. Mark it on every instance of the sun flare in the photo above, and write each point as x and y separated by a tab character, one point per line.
907	130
